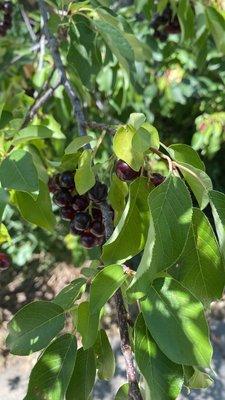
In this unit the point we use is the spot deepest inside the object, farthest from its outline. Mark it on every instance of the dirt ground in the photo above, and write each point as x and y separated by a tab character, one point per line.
14	370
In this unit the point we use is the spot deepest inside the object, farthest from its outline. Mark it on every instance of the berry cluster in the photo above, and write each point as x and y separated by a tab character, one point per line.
6	23
126	173
4	261
165	24
83	212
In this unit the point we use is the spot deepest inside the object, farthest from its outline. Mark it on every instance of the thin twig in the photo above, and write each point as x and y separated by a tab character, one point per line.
101	127
28	24
53	46
163	157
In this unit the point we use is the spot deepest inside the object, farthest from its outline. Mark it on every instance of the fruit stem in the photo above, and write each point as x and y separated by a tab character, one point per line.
164	157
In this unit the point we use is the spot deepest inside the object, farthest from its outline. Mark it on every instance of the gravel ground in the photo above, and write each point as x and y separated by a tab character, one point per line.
14	377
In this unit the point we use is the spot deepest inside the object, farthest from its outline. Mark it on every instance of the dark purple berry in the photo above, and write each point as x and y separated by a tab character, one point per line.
97	228
98	193
157	179
125	172
62	198
67	213
80	203
53	183
4	261
66	180
82	221
99	241
7	7
73	230
88	240
96	214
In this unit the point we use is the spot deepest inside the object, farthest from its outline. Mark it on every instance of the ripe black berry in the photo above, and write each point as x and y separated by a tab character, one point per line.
97	228
73	230
157	179
98	193
62	198
66	180
81	221
99	241
88	240
67	213
125	172
4	261
96	214
80	203
53	183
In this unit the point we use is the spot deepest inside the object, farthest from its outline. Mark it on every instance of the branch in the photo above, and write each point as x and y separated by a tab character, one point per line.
101	127
134	392
53	46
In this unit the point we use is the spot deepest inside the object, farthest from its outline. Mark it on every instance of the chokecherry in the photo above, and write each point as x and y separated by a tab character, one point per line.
125	172
88	240
97	228
66	180
62	198
53	183
98	192
157	179
80	203
81	221
96	214
67	213
4	261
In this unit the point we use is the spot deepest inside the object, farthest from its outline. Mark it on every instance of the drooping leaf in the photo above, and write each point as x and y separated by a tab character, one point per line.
164	378
169	305
87	324
145	137
199	182
216	23
196	379
105	356
17	171
117	195
186	154
39	211
104	285
200	267
51	374
69	294
84	176
186	19
217	201
123	147
32	132
34	326
77	143
129	236
83	377
171	211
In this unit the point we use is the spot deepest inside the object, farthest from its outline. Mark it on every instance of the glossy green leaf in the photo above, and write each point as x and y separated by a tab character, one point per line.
196	379
84	176
123	392
124	149
83	377
216	23
34	326
199	182
217	201
129	236
32	132
77	143
186	154
136	120
17	171
105	356
164	378
87	324
39	211
69	294
187	19
117	196
104	285
200	267
171	212
169	305
51	374
145	137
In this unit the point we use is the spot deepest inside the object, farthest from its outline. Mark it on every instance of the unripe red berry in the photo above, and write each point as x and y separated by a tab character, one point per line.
4	261
125	172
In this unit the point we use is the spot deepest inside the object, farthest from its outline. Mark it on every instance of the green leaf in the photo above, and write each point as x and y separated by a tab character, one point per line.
196	379
17	171
105	356
169	305
164	378
80	64
117	195
87	324
145	137
136	120
129	237
199	182
171	211
104	285
34	326
186	154
69	294
69	162
123	392
32	132
83	378
39	211
77	143
4	197
84	176
123	147
51	374
216	23
200	267
217	201
4	234
187	20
